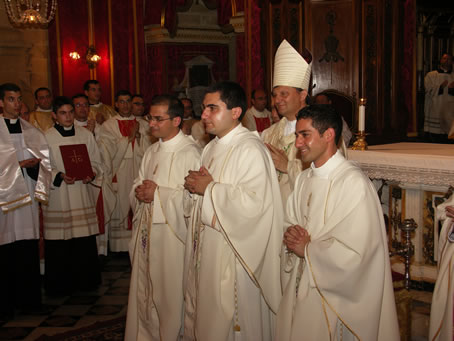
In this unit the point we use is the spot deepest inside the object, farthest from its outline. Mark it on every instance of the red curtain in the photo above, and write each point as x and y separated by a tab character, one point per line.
71	33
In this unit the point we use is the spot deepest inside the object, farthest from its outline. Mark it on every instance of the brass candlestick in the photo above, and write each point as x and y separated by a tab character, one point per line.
360	143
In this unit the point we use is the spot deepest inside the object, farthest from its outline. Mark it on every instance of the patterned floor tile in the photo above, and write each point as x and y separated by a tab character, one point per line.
14	333
104	310
117	291
60	321
115	300
82	300
72	310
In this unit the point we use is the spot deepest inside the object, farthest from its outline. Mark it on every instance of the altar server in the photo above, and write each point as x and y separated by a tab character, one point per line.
25	181
70	222
122	141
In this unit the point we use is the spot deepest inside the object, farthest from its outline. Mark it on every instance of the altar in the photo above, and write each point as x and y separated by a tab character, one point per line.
411	179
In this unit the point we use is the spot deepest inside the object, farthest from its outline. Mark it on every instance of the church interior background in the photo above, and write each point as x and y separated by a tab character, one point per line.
374	49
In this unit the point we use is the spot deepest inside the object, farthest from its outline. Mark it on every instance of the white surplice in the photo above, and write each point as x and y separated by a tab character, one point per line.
232	287
343	286
122	161
157	244
71	212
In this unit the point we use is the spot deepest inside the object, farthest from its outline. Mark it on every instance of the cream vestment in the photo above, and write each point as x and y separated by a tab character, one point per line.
343	287
232	284
157	244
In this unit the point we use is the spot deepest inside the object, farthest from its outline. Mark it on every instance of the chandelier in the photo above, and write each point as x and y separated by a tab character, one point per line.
30	13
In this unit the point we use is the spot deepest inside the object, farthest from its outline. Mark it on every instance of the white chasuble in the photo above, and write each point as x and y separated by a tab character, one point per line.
157	245
71	212
343	288
122	159
441	313
232	287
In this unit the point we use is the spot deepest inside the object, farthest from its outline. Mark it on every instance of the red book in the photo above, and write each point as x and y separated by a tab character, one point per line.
76	160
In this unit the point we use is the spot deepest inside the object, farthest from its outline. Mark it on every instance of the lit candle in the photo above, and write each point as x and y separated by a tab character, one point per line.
362	114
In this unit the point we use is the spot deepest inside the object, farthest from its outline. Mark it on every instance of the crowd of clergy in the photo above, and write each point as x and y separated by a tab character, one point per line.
244	225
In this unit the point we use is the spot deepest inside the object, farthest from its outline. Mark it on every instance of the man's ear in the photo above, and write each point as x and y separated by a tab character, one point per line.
329	135
1	103
176	121
303	95
54	116
236	113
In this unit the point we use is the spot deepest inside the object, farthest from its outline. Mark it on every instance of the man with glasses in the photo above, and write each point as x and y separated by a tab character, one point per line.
159	234
232	286
122	142
138	105
81	111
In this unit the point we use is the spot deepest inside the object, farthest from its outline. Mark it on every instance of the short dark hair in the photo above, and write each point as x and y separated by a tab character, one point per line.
79	96
8	87
41	89
122	93
88	83
175	107
323	116
255	90
61	101
187	99
232	94
323	94
137	95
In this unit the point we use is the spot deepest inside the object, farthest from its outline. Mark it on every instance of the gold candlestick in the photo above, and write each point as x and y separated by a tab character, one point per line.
360	143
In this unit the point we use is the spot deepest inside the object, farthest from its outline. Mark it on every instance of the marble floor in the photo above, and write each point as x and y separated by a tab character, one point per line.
110	301
79	310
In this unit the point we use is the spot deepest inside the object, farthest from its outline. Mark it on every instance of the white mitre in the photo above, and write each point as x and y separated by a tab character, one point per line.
290	68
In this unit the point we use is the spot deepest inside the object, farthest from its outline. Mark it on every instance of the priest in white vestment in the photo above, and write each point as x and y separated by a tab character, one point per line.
159	235
122	141
335	269
25	181
232	287
441	314
70	220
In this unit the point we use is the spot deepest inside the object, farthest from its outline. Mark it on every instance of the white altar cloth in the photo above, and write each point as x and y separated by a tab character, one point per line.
406	162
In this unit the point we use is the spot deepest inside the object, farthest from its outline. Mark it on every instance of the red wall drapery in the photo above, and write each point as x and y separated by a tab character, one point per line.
119	40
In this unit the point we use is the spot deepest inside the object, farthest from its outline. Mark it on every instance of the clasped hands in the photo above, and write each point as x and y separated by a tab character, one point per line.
145	191
197	181
279	157
295	239
450	211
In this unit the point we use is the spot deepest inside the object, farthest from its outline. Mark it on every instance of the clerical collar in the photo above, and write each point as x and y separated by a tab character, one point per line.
440	70
81	123
229	136
96	105
187	118
173	141
44	110
290	127
325	170
65	131
13	125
